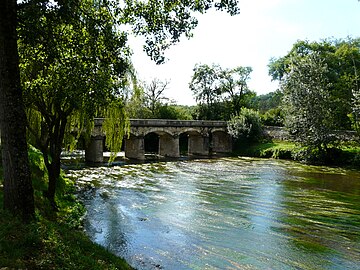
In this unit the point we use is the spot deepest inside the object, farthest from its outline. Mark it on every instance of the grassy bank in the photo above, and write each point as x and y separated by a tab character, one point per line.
274	149
53	240
344	154
46	244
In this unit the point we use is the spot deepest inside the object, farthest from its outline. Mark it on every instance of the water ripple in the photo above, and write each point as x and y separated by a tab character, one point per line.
230	213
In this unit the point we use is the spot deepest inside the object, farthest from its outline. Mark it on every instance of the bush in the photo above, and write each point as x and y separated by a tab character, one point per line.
273	117
278	153
329	156
246	126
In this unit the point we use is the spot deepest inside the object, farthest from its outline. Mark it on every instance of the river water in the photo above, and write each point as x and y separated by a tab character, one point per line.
228	213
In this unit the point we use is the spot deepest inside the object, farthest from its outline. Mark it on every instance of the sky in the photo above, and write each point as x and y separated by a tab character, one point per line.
263	29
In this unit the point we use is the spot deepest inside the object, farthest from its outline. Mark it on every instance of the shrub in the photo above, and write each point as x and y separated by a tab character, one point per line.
317	156
278	153
246	125
273	117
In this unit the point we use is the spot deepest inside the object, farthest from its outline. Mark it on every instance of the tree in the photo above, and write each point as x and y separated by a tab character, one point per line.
233	85
18	191
245	126
71	69
154	95
268	101
204	85
220	92
74	59
307	101
340	56
270	107
355	115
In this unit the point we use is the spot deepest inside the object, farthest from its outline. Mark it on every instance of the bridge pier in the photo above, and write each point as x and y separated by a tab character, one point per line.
94	151
221	142
198	145
169	146
134	147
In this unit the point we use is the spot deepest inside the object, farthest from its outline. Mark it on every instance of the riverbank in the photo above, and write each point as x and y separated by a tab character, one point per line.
52	240
345	154
46	244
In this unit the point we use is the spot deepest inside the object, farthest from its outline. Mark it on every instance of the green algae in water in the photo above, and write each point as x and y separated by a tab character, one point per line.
228	213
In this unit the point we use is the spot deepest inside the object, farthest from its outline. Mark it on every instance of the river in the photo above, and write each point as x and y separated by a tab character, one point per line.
227	213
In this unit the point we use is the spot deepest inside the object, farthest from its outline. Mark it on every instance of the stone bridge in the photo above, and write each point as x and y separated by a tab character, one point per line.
203	138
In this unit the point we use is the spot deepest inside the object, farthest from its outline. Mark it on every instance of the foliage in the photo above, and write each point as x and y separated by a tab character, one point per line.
116	125
147	101
205	88
174	112
215	111
246	125
342	58
355	114
39	175
346	154
331	156
273	117
269	101
220	91
233	86
272	149
308	110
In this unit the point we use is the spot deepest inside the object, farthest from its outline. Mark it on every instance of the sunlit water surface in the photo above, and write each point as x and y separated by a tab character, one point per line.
229	213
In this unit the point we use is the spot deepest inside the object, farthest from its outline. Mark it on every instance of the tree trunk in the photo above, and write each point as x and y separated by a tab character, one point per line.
54	173
18	191
53	167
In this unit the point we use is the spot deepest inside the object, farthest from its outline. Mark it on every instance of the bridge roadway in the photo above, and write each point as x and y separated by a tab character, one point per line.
204	138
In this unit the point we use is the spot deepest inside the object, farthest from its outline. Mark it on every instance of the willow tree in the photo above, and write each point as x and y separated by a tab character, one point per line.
72	62
74	56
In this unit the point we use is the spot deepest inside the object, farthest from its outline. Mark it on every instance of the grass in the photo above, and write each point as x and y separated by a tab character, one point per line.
52	240
274	149
45	244
343	154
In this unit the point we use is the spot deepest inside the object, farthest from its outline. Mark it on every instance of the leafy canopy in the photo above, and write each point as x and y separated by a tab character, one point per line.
307	101
342	58
214	87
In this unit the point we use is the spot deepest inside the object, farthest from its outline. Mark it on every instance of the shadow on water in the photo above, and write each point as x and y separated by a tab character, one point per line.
76	160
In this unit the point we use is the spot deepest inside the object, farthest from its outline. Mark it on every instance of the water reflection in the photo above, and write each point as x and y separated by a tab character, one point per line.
228	213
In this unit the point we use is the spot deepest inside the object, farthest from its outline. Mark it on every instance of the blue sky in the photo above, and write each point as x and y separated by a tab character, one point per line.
264	29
